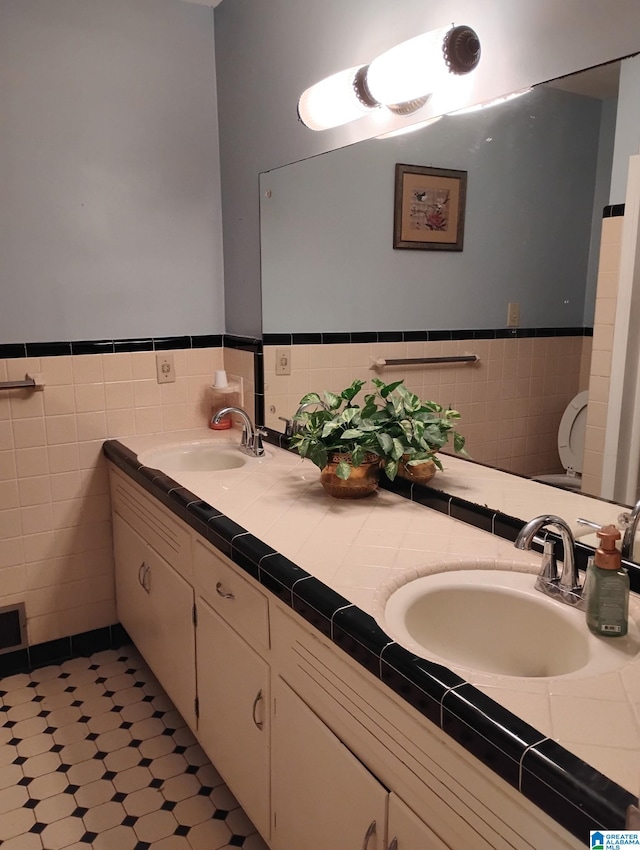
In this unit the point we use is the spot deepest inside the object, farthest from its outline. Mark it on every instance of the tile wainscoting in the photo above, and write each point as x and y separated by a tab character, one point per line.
55	525
511	401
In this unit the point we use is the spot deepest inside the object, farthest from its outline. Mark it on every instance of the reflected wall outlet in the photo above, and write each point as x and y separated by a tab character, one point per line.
283	361
513	315
165	369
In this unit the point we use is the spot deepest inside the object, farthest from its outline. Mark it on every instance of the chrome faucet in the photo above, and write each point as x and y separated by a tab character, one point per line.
251	441
293	425
567	587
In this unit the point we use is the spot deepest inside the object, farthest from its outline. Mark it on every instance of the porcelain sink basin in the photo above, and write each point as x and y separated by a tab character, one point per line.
494	621
195	457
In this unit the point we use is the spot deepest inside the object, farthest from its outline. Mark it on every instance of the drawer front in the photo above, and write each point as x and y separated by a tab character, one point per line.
156	525
234	598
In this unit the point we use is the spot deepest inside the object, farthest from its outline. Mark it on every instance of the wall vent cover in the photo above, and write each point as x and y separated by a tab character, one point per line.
13	628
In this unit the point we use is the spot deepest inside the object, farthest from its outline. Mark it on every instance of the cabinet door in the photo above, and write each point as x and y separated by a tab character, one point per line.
233	724
155	605
323	797
407	831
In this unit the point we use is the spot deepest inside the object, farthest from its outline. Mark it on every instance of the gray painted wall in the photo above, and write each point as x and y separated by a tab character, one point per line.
267	53
627	128
327	258
110	221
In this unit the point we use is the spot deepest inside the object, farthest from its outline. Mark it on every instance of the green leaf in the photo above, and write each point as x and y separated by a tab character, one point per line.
343	470
351	434
386	442
398	450
351	392
332	400
391	469
310	398
357	455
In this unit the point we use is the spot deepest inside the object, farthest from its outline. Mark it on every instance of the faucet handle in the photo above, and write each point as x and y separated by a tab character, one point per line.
288	427
549	568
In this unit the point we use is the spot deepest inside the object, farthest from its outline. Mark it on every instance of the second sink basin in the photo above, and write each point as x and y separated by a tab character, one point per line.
493	621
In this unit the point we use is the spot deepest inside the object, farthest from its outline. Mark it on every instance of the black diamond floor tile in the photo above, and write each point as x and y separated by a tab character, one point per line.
95	799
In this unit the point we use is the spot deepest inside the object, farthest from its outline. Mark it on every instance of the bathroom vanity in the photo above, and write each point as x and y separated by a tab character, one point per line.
250	593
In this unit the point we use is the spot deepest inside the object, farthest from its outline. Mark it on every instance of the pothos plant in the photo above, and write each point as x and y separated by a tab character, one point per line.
393	424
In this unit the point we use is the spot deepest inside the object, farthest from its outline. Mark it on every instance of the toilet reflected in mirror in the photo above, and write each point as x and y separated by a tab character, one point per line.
571	437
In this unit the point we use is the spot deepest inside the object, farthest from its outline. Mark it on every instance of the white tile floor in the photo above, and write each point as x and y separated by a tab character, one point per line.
94	754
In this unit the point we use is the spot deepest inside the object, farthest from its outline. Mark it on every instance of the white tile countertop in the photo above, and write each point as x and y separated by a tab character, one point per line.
363	548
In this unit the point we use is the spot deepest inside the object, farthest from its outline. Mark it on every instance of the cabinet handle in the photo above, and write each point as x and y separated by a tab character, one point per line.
142	568
369	835
222	593
394	844
259	723
146	578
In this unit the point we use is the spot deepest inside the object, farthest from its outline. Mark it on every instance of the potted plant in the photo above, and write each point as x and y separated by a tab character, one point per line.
349	443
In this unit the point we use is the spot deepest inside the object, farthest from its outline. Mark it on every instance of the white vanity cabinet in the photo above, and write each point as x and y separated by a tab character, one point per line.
323	796
234	681
318	752
155	603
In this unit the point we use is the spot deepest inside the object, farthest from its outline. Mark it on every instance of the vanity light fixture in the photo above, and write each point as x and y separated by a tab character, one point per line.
401	79
336	100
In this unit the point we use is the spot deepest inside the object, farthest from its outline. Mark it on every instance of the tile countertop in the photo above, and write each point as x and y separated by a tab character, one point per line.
361	549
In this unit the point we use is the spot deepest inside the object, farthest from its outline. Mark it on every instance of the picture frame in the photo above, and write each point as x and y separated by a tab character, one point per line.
429	208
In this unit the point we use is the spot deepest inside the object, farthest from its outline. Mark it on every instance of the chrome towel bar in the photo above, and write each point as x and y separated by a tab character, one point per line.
381	362
31	382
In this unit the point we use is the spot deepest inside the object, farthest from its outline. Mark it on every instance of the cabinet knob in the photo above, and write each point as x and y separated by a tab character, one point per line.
222	593
369	834
258	723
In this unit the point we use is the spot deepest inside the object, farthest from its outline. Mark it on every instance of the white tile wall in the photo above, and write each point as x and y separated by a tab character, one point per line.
55	530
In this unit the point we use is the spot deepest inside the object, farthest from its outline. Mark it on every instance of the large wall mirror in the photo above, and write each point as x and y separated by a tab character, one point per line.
539	175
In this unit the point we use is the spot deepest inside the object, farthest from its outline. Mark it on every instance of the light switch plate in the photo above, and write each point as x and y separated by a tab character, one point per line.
513	315
283	361
165	369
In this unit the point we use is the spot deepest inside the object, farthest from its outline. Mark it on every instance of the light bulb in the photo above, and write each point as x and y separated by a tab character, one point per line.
334	101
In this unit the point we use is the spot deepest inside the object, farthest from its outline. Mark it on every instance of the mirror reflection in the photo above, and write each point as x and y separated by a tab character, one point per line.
521	295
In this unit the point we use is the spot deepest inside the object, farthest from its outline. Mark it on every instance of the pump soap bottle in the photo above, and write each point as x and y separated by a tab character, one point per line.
607	587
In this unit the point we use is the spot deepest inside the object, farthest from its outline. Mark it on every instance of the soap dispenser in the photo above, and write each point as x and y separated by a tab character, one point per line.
607	587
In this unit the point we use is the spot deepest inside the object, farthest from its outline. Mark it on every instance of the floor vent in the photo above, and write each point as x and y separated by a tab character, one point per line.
13	628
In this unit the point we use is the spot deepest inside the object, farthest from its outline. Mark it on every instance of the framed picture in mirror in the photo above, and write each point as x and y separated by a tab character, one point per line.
429	208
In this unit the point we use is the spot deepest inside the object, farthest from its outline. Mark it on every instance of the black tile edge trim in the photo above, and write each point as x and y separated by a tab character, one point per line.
476	515
101	346
12	350
48	349
248	551
356	337
358	634
317	603
421	683
572	792
243	343
62	649
613	210
495	736
207	341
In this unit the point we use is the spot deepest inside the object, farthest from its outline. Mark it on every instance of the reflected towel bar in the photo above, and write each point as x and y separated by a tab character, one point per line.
31	382
381	362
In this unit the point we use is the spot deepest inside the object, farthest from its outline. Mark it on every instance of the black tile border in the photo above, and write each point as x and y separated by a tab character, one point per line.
613	210
62	649
13	350
570	791
333	338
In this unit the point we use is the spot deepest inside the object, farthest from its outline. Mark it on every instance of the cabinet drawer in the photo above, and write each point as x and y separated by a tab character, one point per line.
240	604
153	522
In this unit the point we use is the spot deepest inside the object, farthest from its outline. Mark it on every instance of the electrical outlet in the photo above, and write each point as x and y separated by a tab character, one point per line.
513	315
165	369
283	361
